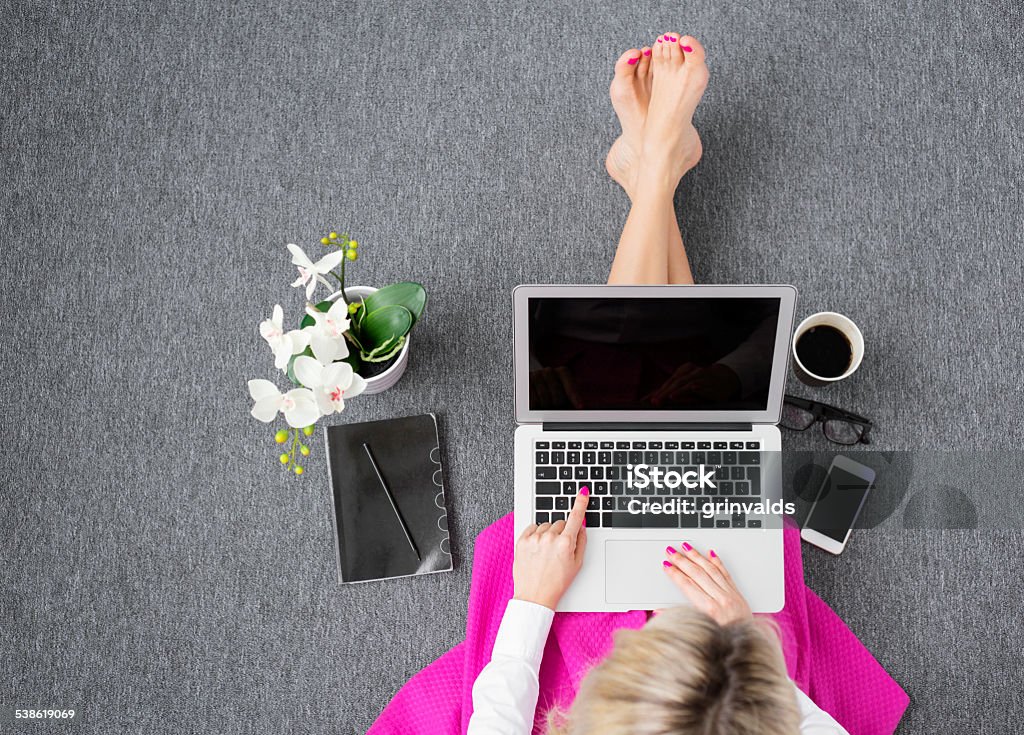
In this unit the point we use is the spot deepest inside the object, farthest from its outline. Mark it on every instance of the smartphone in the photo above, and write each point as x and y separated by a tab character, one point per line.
840	499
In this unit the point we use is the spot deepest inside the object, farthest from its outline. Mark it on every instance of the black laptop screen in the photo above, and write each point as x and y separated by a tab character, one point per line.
651	354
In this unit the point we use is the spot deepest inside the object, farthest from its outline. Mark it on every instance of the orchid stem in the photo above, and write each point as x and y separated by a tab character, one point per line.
295	439
341	285
341	280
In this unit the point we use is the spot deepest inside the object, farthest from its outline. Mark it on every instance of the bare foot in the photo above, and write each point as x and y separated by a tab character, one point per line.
630	93
671	146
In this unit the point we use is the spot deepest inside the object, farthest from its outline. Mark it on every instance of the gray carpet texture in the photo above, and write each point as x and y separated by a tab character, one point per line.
160	574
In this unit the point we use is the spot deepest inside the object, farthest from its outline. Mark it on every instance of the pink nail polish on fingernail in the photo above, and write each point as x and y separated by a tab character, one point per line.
633	61
688	49
670	550
687	547
712	554
666	563
647	52
584	490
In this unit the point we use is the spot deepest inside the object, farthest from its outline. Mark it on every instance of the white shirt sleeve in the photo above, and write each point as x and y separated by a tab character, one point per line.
505	692
813	719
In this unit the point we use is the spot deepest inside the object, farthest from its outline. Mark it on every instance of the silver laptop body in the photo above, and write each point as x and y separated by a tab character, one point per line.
608	378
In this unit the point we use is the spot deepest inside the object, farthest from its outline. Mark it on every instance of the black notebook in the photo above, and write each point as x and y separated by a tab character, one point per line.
373	540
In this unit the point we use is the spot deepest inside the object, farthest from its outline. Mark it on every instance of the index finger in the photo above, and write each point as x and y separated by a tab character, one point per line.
574	522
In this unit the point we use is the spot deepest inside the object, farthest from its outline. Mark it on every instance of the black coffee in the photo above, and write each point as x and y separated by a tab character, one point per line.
824	351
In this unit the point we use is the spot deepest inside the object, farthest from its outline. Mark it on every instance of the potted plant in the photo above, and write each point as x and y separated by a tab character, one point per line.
353	342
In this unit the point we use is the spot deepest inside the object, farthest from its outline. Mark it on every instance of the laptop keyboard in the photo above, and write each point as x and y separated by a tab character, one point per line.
562	467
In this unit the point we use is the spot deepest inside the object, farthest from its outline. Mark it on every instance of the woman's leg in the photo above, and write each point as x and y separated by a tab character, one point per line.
677	267
678	263
649	159
643	252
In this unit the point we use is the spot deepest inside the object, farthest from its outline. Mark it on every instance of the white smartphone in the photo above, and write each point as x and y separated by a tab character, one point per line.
839	502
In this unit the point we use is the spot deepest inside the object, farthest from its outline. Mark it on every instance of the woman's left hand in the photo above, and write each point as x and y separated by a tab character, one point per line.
706	584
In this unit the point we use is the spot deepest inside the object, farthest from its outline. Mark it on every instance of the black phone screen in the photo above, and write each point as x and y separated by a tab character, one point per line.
838	504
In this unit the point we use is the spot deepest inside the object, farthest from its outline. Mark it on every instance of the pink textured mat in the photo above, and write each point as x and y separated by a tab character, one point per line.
823	657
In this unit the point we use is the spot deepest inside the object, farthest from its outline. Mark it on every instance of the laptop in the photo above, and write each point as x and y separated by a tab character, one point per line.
664	402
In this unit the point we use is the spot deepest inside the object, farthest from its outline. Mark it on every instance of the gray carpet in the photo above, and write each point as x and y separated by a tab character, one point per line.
161	575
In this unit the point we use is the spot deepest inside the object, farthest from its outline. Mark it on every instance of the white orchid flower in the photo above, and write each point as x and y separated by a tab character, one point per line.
283	344
298	405
327	334
310	272
331	384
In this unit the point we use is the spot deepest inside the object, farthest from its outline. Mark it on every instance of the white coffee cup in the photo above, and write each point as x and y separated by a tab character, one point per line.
847	328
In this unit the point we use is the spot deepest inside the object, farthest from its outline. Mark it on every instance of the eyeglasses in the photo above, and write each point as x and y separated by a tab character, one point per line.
839	426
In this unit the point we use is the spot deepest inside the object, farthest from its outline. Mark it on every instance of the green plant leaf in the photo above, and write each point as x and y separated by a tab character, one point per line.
382	325
381	349
352	336
360	314
408	294
354	361
383	354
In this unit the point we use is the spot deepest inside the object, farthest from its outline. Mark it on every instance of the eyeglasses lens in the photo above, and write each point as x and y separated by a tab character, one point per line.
843	432
794	417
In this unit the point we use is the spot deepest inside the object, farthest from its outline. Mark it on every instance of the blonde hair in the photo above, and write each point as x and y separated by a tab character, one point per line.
684	674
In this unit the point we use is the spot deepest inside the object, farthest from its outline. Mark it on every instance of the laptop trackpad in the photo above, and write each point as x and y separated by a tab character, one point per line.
634	576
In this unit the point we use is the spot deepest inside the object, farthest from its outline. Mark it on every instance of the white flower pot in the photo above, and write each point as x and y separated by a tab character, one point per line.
382	381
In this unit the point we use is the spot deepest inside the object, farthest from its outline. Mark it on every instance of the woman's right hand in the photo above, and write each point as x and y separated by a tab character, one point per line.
549	556
706	584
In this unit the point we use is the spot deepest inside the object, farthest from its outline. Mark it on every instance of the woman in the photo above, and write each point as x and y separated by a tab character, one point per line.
711	668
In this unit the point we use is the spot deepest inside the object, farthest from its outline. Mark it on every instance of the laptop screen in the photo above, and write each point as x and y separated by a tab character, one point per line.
651	354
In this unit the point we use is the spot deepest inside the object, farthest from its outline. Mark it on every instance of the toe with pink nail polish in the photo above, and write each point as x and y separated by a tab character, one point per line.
633	61
688	49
